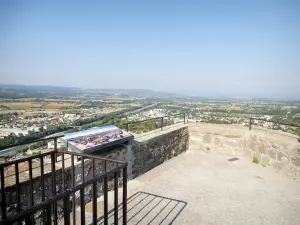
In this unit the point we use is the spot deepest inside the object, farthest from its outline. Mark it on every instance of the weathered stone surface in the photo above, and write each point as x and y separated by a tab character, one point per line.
252	146
262	148
291	171
272	154
207	138
276	165
217	141
248	153
276	149
265	160
296	161
254	138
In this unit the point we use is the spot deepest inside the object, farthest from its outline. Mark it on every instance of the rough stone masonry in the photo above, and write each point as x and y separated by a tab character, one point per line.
279	150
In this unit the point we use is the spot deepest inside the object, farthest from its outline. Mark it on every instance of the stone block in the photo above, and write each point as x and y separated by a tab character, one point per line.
265	160
277	165
291	171
217	141
272	153
207	138
296	161
252	146
262	149
254	138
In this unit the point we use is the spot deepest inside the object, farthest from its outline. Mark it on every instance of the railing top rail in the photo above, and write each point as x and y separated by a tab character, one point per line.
22	215
261	119
287	124
2	165
30	142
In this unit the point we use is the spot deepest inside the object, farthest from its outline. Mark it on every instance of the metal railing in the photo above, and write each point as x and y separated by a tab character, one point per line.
45	210
251	119
281	123
161	119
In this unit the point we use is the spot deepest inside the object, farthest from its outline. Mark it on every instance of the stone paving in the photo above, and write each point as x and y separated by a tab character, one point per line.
199	187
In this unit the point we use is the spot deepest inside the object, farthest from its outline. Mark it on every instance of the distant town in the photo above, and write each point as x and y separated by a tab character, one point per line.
32	113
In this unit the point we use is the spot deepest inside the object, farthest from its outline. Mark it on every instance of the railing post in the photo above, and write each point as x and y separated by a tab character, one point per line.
55	148
116	208
250	123
53	155
184	118
55	144
3	196
127	127
66	210
162	123
125	195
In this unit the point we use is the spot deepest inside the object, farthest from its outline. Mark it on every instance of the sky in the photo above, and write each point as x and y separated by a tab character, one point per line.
205	48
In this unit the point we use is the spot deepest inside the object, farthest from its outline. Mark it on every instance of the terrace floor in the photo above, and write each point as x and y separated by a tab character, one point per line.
204	188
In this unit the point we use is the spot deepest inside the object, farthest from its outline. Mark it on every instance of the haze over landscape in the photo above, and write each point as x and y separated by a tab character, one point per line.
134	112
222	49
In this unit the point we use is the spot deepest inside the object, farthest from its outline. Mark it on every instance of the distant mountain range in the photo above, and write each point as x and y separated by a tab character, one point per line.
35	91
11	90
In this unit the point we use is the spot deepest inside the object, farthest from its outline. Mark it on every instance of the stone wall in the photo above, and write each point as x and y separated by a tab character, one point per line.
276	149
144	153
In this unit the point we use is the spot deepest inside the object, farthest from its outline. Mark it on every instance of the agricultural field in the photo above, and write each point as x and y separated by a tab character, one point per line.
55	106
22	105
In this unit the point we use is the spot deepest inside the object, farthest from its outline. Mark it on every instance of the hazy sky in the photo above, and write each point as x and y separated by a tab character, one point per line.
230	48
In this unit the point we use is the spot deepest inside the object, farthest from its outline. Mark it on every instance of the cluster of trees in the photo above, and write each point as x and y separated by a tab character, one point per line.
4	107
148	125
14	139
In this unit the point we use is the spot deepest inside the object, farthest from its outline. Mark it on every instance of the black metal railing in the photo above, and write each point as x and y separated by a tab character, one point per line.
251	119
161	119
50	193
260	119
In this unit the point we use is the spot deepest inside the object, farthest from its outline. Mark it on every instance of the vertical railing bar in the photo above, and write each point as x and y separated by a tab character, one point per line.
105	190
82	169
116	184
53	159
125	195
63	171
3	196
93	167
82	203
43	186
162	123
94	194
30	183
73	185
55	148
95	203
82	206
66	210
31	202
17	187
42	178
48	215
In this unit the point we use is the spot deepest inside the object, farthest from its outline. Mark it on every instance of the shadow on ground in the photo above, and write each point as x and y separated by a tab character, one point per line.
146	208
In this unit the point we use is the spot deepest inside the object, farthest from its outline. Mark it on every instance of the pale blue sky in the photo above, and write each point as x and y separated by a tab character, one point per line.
230	48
